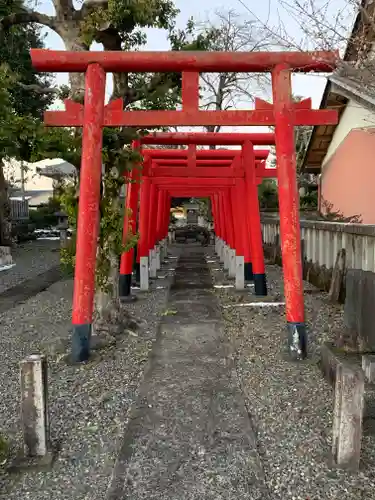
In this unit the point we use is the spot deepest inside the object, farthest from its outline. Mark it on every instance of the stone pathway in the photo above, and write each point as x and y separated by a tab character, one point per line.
189	436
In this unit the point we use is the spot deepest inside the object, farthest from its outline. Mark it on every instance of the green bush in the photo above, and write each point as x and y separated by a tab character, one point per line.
44	216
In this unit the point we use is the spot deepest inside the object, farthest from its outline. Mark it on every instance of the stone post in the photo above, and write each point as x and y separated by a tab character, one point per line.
34	411
347	417
144	276
368	366
240	272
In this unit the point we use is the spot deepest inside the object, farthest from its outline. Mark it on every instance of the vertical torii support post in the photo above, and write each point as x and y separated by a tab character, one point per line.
224	253
253	214
144	214
231	235
159	228
289	211
218	226
239	230
248	267
88	212
152	229
130	228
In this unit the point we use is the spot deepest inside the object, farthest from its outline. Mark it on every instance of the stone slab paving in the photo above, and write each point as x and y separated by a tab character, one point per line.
189	435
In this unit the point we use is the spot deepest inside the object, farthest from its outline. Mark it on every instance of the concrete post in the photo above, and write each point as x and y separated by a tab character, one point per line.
347	418
226	257
161	251
63	238
232	263
157	257
152	262
144	281
34	411
5	256
240	272
368	366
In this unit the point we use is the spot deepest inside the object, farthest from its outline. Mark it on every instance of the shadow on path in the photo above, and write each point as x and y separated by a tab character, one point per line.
20	293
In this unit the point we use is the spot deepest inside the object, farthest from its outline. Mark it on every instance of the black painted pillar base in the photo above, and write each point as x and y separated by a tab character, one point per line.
125	282
81	343
248	270
137	273
260	284
297	341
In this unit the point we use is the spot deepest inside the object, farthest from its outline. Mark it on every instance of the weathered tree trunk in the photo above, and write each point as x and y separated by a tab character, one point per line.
72	40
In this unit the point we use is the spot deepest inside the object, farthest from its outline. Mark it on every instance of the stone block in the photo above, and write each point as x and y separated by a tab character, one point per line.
368	366
34	409
347	417
5	256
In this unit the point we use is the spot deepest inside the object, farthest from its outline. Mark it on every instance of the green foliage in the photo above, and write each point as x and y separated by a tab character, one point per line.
111	214
44	215
267	192
15	45
127	17
309	200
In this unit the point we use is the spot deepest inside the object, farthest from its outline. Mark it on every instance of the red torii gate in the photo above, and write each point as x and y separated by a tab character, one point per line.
245	161
283	113
191	139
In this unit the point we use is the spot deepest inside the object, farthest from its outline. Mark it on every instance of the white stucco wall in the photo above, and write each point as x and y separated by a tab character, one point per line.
33	180
354	116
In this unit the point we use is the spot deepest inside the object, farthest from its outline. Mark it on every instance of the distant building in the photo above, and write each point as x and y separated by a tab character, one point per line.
32	184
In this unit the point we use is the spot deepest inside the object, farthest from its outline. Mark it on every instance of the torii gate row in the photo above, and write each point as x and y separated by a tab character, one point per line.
94	115
226	177
227	159
147	255
238	230
201	154
232	238
208	138
131	207
153	230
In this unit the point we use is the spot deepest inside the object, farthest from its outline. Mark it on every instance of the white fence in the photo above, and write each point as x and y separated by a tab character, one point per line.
323	240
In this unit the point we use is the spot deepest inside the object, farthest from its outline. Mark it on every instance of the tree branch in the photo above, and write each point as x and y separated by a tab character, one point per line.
64	8
37	89
25	17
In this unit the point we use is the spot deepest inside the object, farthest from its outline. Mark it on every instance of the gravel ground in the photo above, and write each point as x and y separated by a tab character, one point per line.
290	403
89	404
31	258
